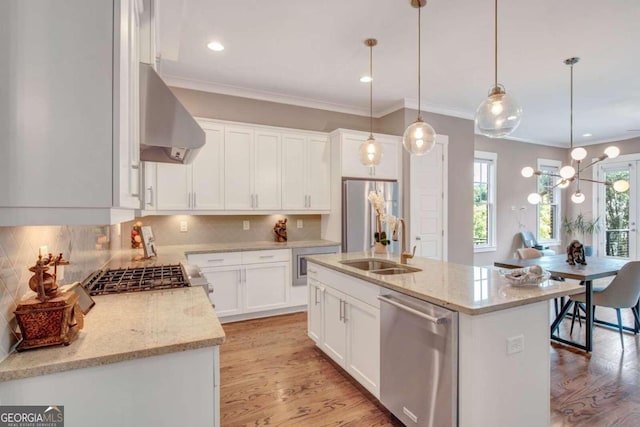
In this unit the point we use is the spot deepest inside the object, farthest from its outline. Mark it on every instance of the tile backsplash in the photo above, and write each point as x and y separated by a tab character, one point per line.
223	228
86	247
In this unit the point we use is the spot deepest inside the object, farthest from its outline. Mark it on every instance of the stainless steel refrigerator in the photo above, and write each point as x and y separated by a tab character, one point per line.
358	216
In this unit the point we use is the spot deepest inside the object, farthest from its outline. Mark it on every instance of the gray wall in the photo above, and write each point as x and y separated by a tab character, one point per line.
512	192
225	107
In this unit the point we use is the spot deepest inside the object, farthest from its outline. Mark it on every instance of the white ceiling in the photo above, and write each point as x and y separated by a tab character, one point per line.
312	53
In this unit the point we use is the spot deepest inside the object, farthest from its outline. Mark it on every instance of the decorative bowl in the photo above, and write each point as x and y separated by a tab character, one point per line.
525	277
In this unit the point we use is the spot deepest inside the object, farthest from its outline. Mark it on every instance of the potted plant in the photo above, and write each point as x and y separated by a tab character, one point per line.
581	227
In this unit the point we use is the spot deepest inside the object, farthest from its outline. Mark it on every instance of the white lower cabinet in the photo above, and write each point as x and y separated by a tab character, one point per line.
266	286
227	296
246	282
314	311
334	342
363	344
345	327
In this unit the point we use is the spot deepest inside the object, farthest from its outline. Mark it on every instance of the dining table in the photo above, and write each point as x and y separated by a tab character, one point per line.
557	265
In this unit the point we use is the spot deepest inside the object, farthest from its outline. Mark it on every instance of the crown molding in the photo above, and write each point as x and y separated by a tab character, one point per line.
412	103
395	106
262	95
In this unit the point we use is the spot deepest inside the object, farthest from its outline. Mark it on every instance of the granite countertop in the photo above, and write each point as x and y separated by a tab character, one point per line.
466	289
173	254
124	327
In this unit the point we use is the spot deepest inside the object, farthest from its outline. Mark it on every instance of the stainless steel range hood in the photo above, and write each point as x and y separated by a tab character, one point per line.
168	133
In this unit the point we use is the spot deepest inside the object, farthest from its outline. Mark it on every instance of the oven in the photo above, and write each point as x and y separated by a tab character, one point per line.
299	273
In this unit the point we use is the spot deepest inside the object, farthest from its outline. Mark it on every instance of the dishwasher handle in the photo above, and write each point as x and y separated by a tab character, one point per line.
436	320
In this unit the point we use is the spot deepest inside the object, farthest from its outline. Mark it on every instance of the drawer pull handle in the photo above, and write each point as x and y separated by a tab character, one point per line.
267	256
216	260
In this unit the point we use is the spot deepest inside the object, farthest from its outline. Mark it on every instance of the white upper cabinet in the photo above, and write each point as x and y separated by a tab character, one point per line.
252	169
238	162
349	143
69	123
198	186
245	168
306	172
208	170
267	170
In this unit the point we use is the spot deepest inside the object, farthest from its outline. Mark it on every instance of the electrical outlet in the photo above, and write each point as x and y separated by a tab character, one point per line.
246	225
515	344
300	223
43	250
184	226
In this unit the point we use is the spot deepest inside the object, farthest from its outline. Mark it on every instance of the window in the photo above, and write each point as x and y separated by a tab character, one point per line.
549	208
484	201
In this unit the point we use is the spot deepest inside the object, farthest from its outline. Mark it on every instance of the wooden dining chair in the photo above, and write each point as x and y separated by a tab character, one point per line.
532	253
622	292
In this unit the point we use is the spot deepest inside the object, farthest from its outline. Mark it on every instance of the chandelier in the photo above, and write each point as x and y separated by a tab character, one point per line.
569	173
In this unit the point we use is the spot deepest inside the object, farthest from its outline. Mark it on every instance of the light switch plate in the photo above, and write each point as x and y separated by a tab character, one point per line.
184	226
515	344
246	225
300	223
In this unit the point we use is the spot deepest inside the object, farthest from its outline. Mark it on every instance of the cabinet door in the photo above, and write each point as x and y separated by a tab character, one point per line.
333	325
227	289
267	177
351	165
388	167
238	170
208	171
294	149
314	311
150	186
363	344
319	173
173	186
266	286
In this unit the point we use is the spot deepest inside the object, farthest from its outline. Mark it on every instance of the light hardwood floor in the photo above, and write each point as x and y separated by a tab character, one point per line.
273	375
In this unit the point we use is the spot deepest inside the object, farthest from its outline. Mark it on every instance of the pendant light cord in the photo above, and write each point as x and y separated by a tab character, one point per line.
571	111
371	91
419	49
495	46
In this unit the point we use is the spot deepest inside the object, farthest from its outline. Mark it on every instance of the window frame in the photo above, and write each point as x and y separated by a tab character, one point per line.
557	196
492	200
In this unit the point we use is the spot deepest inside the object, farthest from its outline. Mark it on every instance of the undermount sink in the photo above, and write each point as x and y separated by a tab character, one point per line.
378	266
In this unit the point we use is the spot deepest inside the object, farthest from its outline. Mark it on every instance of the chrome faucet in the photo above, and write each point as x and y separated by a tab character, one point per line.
404	255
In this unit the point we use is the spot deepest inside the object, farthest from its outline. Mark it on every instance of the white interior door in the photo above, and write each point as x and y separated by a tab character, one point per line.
618	211
428	201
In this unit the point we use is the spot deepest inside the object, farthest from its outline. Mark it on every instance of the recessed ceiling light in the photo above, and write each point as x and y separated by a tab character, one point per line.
587	135
215	46
366	79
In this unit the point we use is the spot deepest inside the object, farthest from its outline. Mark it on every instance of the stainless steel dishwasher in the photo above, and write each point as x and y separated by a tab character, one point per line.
418	361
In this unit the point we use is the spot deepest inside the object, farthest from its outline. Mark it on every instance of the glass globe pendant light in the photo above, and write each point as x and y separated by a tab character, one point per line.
498	115
370	151
419	138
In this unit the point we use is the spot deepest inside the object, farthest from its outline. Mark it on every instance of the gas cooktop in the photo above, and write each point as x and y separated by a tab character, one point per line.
114	281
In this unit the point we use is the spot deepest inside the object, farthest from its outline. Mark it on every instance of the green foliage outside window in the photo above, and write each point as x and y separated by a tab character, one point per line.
480	214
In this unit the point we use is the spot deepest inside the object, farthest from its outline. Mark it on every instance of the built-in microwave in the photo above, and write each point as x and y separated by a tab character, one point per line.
299	273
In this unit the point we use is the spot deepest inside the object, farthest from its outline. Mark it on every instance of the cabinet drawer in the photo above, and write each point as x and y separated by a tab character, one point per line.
215	259
355	288
255	257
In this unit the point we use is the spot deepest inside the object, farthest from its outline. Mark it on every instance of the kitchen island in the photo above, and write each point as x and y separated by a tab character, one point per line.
143	358
503	358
